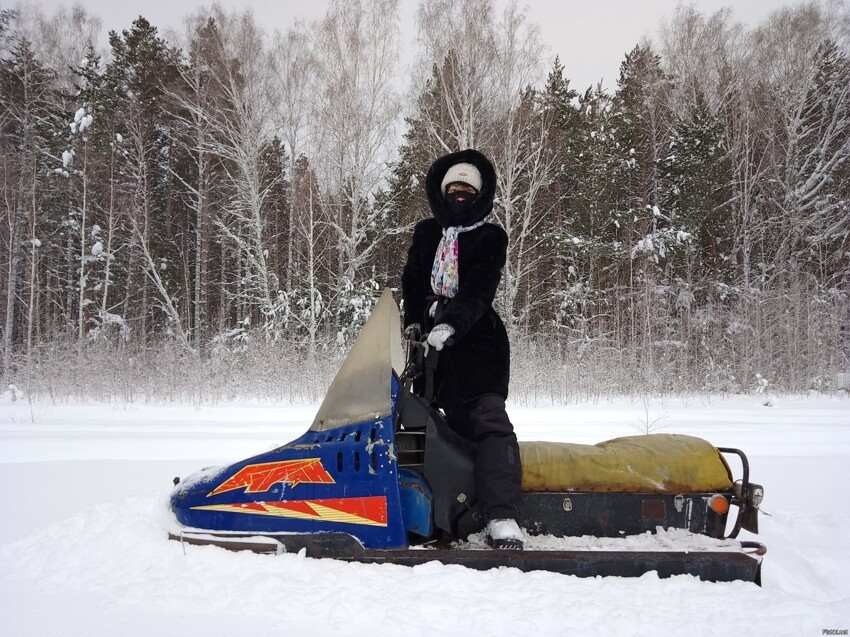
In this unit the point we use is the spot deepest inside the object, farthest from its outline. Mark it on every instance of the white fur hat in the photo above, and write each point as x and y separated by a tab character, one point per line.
464	173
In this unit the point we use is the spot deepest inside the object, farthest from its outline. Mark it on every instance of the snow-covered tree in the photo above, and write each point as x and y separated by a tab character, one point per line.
233	176
293	66
240	138
459	54
356	107
699	171
137	78
28	117
525	166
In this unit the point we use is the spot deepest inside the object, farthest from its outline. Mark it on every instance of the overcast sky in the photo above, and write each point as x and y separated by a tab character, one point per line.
591	36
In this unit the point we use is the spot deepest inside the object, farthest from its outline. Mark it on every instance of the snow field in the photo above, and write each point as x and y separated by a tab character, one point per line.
83	548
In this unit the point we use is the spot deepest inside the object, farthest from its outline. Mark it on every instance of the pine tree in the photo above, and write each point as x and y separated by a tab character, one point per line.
642	121
589	242
564	145
137	79
313	247
28	120
700	173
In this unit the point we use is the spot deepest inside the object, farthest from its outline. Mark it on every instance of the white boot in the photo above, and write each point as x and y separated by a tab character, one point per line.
505	534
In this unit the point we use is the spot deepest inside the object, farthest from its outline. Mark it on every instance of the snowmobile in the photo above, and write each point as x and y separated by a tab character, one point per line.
380	477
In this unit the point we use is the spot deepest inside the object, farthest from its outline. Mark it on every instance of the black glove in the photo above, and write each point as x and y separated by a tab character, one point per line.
413	332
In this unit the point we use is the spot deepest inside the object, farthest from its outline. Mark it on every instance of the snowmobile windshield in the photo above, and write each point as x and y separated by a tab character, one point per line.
361	390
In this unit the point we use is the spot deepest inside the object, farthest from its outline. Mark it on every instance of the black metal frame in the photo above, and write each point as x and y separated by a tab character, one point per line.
747	514
620	514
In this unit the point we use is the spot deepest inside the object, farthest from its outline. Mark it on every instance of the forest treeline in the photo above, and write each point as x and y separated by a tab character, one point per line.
216	208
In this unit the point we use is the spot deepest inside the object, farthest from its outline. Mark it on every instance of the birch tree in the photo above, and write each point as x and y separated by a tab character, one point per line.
293	67
458	43
524	165
27	116
239	127
357	106
60	40
312	252
195	96
816	147
701	54
96	162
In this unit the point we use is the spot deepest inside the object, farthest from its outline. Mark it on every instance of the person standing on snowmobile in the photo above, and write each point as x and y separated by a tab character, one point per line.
453	268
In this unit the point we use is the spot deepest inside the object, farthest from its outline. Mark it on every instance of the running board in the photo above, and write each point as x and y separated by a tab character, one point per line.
710	566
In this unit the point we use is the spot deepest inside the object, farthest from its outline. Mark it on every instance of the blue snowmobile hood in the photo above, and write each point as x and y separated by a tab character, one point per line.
340	476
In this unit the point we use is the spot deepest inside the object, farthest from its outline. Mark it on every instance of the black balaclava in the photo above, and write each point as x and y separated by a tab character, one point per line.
458	203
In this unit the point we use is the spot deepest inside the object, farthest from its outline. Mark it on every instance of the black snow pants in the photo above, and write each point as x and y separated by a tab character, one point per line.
498	473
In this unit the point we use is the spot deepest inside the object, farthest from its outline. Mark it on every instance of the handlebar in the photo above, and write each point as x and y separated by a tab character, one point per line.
421	340
421	362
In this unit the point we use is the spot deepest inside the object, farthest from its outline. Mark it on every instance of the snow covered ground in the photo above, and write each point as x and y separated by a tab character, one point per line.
83	548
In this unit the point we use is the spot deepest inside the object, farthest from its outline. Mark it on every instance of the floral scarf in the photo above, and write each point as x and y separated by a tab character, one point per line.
444	273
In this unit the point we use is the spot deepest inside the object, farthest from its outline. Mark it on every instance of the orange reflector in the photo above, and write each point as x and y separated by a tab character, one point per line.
719	504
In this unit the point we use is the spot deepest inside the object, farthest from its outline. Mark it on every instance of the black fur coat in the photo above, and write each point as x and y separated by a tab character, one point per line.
479	360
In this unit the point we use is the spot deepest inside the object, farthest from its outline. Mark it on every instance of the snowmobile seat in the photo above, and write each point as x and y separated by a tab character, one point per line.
655	463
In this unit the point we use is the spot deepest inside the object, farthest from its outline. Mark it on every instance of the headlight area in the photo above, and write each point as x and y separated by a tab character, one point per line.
752	495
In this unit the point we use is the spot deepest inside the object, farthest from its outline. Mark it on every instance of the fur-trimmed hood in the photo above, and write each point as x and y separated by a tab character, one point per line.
483	203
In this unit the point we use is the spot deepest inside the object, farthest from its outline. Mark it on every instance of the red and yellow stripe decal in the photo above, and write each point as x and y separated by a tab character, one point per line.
370	511
259	478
